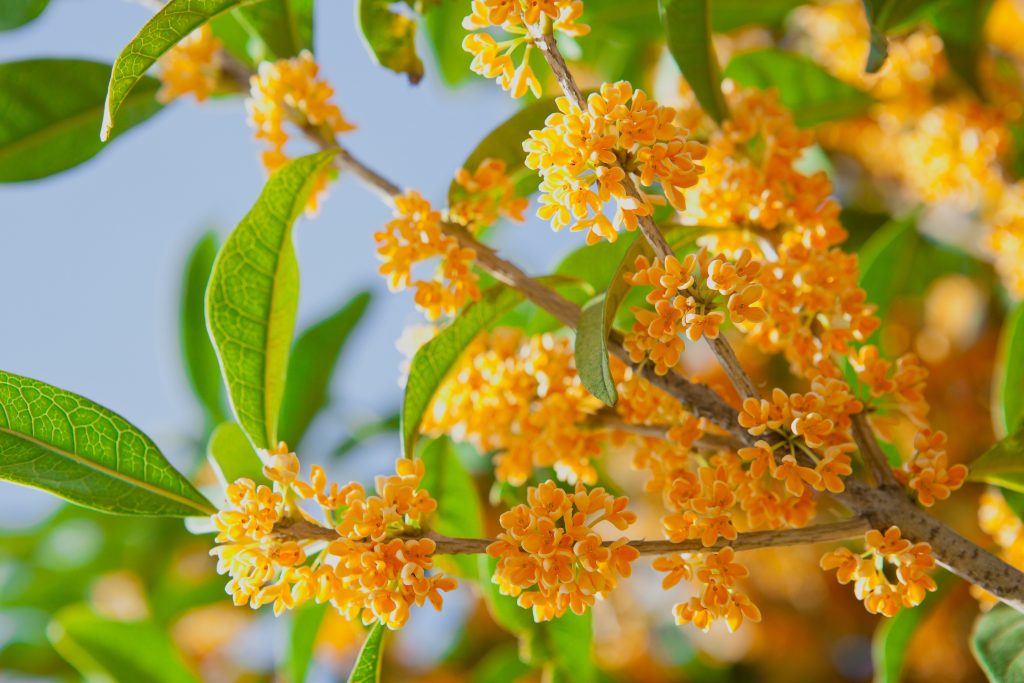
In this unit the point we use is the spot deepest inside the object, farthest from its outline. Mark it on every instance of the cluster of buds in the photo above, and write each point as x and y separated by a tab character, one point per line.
481	196
191	67
584	156
374	571
551	558
719	598
928	473
867	571
894	390
493	59
685	299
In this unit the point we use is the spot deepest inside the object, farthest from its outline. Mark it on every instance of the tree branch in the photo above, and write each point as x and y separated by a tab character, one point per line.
872	452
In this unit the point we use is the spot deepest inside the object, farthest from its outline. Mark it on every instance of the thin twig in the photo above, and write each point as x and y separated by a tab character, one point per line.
448	545
872	452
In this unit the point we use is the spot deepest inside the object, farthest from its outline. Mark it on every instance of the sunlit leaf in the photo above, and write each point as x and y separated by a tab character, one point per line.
367	667
892	636
200	359
442	25
1008	376
998	644
432	362
284	26
688	30
169	25
252	298
305	625
15	13
60	442
52	109
811	93
232	456
311	366
883	259
390	37
106	650
459	511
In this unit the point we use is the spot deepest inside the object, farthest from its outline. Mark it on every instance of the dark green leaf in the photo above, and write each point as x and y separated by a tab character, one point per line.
311	366
998	644
367	667
459	511
252	297
961	24
305	626
729	15
200	359
51	111
232	456
442	25
1008	384
57	441
505	143
170	24
432	362
103	649
390	37
624	38
811	93
688	30
883	259
15	13
364	432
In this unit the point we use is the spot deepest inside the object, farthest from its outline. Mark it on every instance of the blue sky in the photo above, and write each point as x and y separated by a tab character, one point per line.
92	258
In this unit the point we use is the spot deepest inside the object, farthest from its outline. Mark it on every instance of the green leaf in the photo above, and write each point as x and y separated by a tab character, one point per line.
729	15
367	667
285	27
961	25
106	650
500	665
998	644
1002	464
311	365
170	24
15	13
811	93
432	362
505	143
883	259
567	642
503	608
60	442
232	456
442	25
197	351
252	297
459	511
1008	387
51	110
305	626
892	636
688	30
364	432
390	37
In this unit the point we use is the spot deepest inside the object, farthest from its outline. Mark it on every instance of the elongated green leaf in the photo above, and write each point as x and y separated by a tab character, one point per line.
363	432
367	667
15	13
252	297
311	366
200	359
60	442
892	636
51	110
106	650
688	30
883	259
567	642
305	626
174	21
459	511
811	93
390	37
500	665
729	15
1008	384
961	25
442	25
285	27
232	456
505	143
432	362
998	644
1002	464
503	608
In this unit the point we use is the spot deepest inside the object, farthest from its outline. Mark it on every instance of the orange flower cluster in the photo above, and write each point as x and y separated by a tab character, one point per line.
720	597
416	234
493	59
584	157
684	295
367	573
997	519
867	571
191	66
894	391
1006	241
928	473
281	90
484	195
551	558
